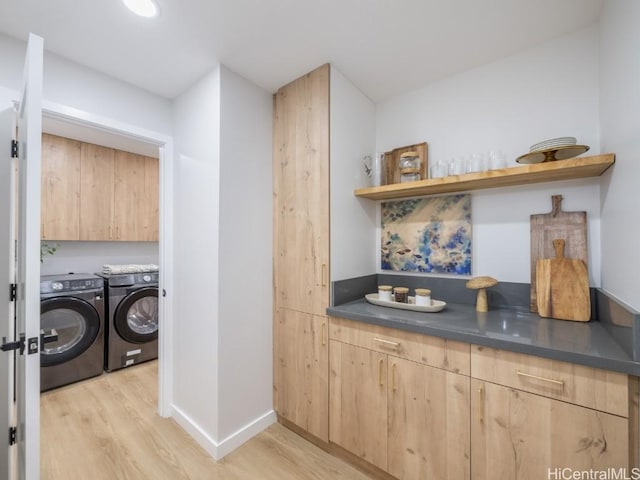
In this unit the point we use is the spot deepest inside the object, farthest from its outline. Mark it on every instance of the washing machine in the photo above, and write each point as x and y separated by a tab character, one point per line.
132	319
71	308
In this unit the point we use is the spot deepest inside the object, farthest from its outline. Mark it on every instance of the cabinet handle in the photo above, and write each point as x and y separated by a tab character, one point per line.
393	377
395	345
380	362
110	232
324	275
117	233
481	404
44	235
324	333
544	379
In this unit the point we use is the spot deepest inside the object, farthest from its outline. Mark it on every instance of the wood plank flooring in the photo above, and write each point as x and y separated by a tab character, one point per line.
107	429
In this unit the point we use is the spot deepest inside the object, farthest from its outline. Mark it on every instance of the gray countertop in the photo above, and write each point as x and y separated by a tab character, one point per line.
517	330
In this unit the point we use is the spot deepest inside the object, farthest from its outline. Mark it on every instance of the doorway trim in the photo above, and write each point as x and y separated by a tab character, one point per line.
166	244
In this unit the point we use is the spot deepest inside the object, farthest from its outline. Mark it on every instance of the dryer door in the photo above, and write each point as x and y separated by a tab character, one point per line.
75	321
136	316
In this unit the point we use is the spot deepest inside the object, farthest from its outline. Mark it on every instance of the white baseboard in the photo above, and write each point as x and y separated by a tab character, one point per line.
220	449
247	432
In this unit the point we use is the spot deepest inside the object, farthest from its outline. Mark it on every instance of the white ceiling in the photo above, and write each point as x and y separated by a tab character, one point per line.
386	47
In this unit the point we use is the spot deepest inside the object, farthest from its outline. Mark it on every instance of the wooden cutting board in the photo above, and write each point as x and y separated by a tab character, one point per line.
546	227
563	287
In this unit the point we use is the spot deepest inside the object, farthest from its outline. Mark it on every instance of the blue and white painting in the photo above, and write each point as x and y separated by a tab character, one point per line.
430	235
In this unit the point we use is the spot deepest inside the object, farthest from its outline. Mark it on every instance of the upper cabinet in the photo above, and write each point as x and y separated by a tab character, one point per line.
572	168
135	212
90	192
96	209
301	193
60	188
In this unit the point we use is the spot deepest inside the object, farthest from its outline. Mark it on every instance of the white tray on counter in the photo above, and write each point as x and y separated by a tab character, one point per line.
436	305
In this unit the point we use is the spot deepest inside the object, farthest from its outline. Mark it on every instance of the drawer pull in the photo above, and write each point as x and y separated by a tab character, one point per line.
544	379
380	363
324	275
324	333
387	342
480	404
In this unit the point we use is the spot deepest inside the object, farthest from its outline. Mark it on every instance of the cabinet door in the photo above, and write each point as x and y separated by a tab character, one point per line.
135	197
358	402
60	188
518	435
301	367
428	422
301	193
96	192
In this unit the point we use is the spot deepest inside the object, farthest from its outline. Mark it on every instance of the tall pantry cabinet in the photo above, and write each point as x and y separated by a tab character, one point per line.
301	252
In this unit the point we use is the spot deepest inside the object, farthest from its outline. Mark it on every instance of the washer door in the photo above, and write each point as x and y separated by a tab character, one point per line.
77	324
136	316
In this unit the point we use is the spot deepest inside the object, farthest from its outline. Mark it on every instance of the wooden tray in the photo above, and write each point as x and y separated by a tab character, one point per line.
436	305
390	170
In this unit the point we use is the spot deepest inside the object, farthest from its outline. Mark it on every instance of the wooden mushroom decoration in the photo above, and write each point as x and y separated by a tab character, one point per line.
481	284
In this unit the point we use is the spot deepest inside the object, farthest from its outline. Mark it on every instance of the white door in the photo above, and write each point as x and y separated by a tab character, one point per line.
7	262
27	267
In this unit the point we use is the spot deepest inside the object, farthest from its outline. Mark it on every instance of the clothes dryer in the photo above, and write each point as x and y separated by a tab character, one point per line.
71	307
131	320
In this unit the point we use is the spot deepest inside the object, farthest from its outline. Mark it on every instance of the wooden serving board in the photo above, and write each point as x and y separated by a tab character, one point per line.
390	170
546	227
563	287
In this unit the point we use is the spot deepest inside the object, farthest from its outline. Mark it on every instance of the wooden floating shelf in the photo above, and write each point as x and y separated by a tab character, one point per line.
581	167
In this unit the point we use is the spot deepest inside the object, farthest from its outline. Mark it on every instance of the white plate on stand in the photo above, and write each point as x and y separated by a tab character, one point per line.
436	305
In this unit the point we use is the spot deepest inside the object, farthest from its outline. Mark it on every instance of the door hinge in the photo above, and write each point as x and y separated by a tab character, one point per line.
13	433
13	292
14	149
11	346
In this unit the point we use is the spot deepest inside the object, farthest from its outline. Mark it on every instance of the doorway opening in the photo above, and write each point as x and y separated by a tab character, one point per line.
79	126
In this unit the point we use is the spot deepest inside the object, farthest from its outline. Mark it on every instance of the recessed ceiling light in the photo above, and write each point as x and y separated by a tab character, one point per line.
144	8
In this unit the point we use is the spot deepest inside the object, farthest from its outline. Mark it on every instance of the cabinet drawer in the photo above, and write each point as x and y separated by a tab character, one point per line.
436	352
590	387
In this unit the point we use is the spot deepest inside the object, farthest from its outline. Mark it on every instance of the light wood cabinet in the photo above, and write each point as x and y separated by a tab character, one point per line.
301	193
301	252
96	187
406	418
518	435
119	195
301	366
433	351
135	211
60	198
428	422
590	387
90	192
399	402
358	402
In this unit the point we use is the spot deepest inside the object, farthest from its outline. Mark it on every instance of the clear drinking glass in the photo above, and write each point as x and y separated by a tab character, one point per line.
439	169
497	160
477	163
457	166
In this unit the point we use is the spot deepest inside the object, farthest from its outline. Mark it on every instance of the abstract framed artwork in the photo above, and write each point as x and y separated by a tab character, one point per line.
427	235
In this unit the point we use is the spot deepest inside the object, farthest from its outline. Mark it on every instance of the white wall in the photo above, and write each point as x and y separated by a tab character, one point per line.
245	386
196	119
89	257
620	133
76	86
352	136
545	92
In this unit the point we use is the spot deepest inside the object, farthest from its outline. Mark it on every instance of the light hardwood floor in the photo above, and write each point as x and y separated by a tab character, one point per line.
107	428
